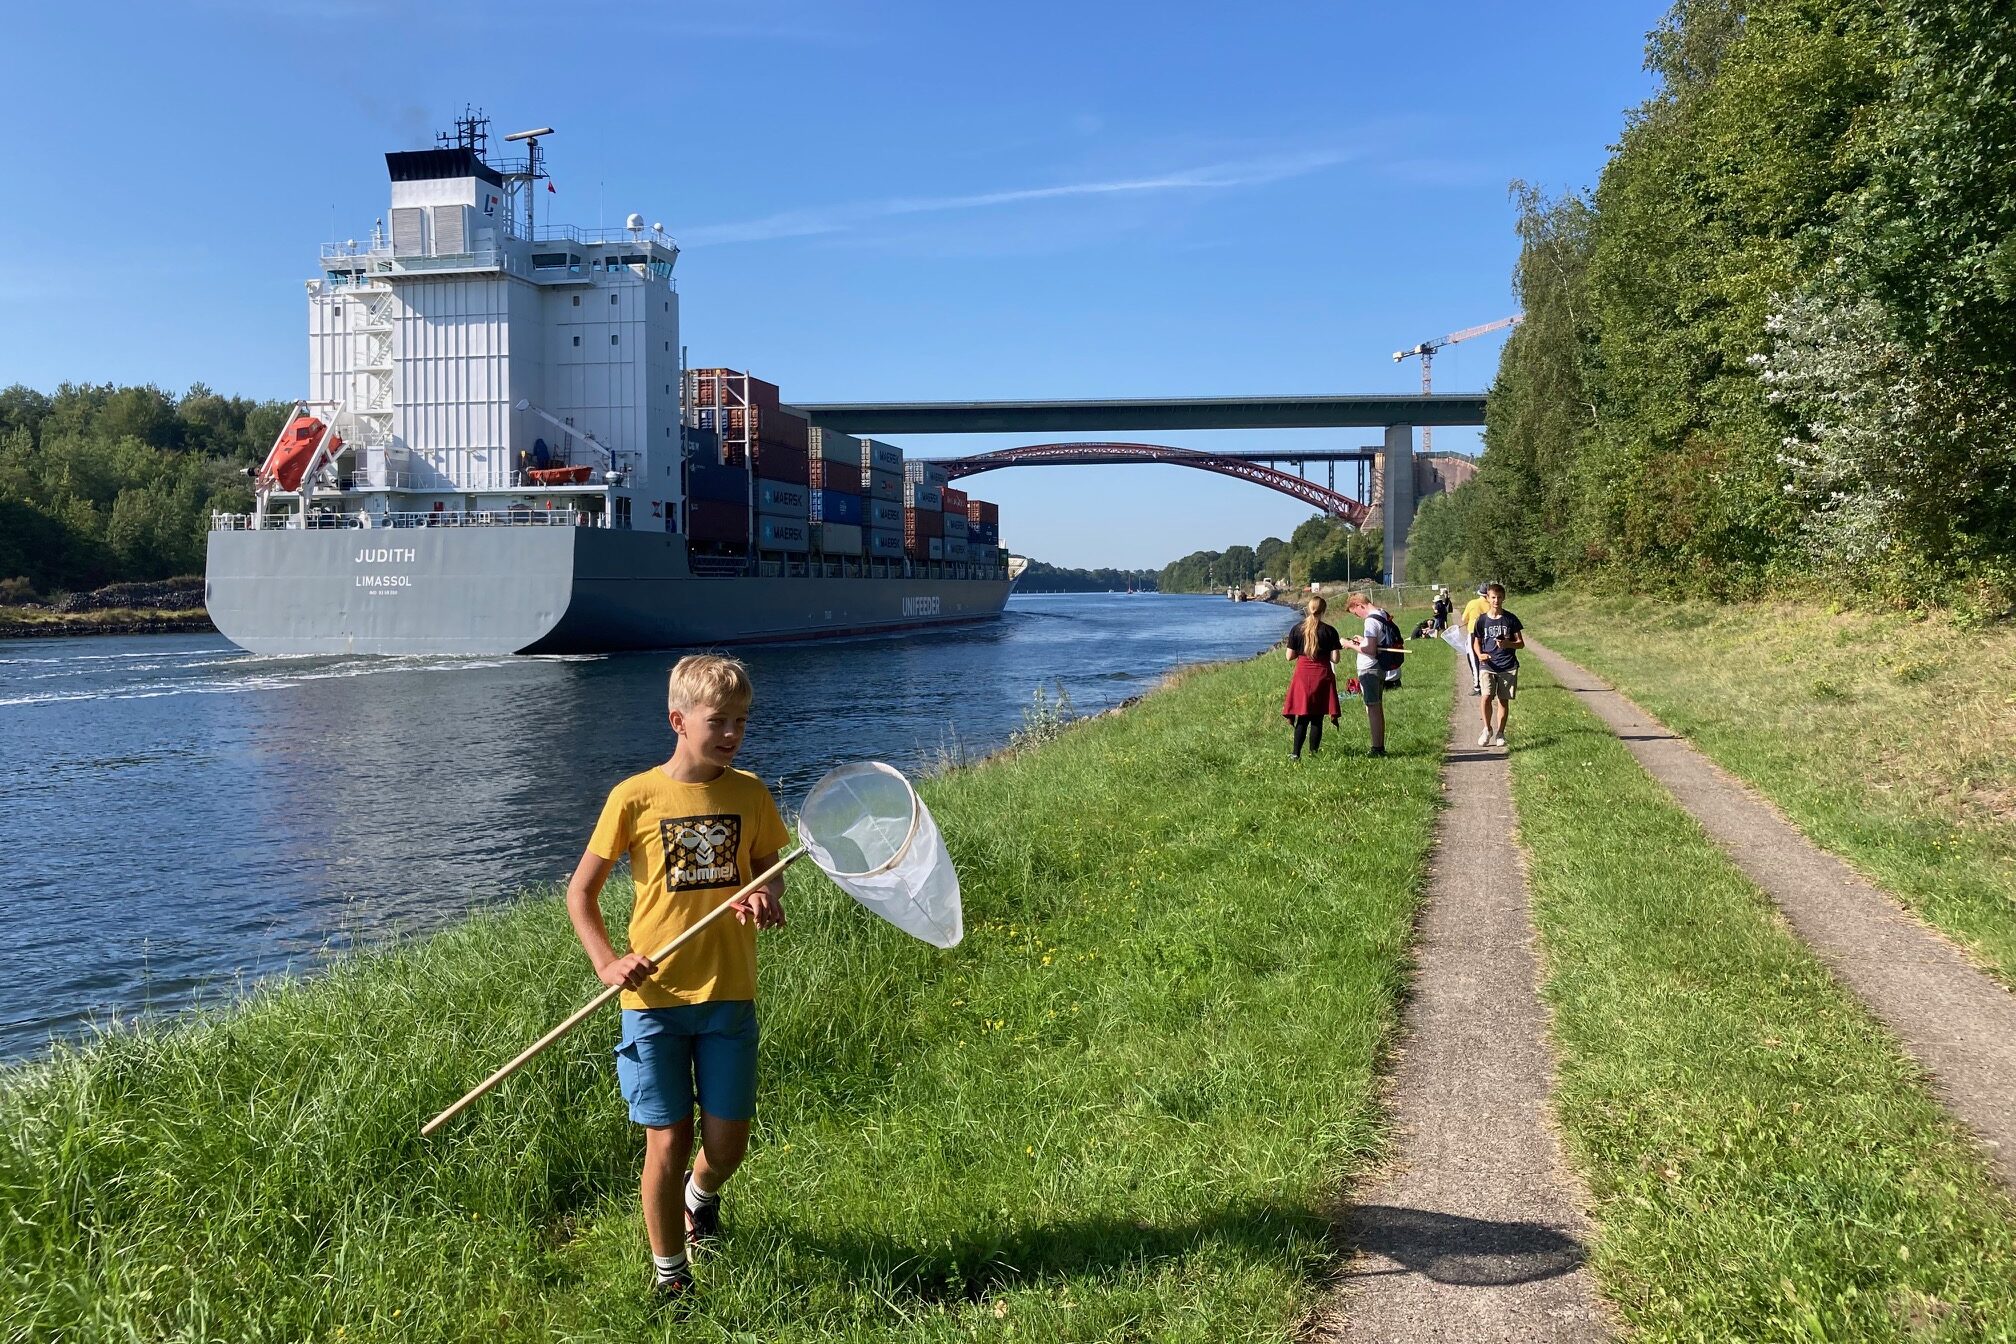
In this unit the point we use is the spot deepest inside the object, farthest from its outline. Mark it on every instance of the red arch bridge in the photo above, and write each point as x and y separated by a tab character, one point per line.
1238	465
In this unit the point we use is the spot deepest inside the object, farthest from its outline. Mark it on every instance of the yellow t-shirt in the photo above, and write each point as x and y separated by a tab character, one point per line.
691	847
1471	611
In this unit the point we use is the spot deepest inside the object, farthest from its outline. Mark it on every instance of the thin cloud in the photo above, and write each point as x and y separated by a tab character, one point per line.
844	217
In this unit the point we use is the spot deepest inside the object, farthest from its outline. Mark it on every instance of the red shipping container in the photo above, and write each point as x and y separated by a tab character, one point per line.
728	387
923	523
717	520
774	462
980	511
842	477
771	424
955	500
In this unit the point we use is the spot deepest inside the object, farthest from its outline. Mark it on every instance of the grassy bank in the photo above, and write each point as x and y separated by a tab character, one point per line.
1886	739
37	622
1120	1110
1766	1162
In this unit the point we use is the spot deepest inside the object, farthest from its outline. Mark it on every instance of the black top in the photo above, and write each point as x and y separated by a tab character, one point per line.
1491	632
1328	641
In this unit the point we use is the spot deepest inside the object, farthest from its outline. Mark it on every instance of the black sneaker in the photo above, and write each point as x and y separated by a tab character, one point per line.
674	1289
704	1223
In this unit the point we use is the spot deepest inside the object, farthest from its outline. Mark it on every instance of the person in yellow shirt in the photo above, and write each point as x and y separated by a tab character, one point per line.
1471	611
696	830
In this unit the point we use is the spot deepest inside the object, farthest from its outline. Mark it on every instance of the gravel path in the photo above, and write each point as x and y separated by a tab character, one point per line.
1956	1021
1477	1234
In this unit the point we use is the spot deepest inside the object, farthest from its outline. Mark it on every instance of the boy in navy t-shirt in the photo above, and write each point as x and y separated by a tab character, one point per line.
1495	639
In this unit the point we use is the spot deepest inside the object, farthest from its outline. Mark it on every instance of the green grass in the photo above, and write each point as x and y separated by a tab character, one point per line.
1766	1162
1887	739
1122	1109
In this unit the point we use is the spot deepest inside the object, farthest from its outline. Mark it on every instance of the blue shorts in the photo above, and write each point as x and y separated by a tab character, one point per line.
670	1056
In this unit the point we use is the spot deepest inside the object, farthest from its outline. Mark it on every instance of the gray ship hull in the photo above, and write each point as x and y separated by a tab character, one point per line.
502	590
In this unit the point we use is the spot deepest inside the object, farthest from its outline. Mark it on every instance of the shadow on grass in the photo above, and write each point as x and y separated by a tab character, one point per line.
1465	1252
980	1266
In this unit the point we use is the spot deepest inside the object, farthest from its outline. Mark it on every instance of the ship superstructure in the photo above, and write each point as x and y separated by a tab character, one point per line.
501	451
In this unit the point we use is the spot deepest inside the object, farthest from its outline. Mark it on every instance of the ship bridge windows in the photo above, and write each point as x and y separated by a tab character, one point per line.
556	261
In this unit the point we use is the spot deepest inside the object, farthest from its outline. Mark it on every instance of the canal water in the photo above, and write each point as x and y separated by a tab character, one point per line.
179	818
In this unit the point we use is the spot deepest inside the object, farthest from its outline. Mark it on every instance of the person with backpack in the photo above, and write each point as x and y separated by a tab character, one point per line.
1380	650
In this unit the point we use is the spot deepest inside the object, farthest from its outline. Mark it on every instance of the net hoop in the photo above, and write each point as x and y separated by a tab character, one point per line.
909	838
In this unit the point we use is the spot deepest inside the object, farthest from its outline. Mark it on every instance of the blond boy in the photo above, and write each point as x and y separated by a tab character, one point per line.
695	829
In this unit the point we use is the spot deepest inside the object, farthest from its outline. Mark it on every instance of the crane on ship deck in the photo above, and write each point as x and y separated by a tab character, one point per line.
1426	350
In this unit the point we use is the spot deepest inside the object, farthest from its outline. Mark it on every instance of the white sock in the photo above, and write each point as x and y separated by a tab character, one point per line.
695	1196
668	1265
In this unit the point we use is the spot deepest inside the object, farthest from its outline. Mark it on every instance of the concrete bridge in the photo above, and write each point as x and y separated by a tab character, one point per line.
1394	490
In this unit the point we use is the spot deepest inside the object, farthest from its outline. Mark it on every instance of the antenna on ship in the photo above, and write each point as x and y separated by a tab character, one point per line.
472	132
533	169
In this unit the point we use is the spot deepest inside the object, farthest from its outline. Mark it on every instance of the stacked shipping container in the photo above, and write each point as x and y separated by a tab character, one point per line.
762	444
759	473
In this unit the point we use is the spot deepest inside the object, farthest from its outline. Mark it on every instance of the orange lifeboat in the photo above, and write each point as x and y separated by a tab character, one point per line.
289	460
560	475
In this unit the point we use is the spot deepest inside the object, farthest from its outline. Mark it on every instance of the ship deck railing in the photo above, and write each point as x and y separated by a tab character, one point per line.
362	521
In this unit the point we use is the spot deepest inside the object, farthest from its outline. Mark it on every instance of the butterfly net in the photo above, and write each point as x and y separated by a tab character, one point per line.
869	831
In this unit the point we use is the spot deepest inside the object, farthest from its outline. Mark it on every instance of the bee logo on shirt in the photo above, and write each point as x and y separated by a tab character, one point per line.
700	851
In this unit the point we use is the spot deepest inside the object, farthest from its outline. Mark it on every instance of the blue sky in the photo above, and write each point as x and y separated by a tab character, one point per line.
876	200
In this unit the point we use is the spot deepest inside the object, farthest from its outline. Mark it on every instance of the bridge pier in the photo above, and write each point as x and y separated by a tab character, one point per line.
1396	477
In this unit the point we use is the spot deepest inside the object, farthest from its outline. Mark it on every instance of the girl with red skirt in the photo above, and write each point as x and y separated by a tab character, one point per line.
1313	647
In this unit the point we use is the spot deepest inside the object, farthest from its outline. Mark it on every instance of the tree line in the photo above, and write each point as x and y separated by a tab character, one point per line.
1776	342
1043	578
1323	550
102	484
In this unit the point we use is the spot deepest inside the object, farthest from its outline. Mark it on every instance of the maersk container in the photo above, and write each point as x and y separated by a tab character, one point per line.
988	533
830	506
877	456
783	499
835	447
955	525
837	538
884	544
882	514
930	473
919	496
955	548
783	534
924	548
883	485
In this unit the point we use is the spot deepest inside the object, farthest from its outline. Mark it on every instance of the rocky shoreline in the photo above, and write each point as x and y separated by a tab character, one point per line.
164	606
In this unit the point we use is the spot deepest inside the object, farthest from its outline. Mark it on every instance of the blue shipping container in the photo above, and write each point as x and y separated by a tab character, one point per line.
955	526
886	545
883	513
783	498
929	498
832	506
711	480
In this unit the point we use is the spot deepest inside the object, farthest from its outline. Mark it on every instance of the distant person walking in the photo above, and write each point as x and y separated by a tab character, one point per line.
1313	646
1471	611
1379	631
1442	608
1496	639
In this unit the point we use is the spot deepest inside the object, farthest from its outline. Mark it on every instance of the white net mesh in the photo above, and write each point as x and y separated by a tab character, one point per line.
867	829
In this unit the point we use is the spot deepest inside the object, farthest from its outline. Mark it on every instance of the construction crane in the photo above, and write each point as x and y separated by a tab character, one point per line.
1426	350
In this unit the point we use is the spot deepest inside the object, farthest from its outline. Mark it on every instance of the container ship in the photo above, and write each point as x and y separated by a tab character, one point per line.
502	451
